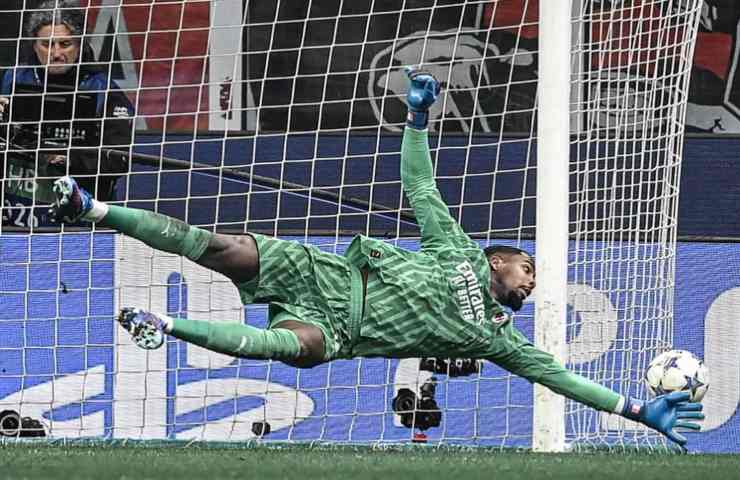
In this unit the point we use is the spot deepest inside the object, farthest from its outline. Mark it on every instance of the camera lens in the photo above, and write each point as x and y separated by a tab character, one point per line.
10	423
405	401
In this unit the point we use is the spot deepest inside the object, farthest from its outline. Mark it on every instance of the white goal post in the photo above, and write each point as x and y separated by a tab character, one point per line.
624	113
559	130
553	145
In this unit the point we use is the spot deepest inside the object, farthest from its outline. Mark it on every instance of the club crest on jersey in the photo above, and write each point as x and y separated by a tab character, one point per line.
500	318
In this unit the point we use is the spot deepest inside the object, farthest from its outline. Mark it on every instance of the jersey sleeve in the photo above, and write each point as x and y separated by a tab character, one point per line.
525	360
438	228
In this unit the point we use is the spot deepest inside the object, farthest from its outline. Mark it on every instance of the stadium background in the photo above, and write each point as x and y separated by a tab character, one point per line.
43	347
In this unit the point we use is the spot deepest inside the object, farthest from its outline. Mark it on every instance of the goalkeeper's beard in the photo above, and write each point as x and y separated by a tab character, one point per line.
512	300
506	296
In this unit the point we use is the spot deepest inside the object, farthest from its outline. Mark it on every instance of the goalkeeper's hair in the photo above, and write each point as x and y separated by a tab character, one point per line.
504	251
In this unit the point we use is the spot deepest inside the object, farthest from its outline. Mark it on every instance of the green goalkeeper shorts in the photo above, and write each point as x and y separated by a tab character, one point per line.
302	283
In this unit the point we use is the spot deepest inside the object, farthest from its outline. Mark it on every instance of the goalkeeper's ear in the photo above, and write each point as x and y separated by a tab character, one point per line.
496	262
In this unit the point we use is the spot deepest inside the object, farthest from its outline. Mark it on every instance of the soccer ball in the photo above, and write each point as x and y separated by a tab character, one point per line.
677	370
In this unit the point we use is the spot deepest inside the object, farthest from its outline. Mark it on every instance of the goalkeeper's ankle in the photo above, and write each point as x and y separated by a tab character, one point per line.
418	120
98	211
167	322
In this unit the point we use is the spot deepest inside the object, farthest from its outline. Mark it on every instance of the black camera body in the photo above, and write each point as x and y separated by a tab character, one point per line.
421	412
452	367
260	429
13	425
50	116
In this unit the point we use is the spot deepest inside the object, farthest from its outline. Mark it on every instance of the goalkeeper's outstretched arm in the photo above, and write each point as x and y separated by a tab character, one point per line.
664	413
417	175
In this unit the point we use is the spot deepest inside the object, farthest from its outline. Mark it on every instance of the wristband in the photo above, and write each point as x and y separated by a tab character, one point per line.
417	120
632	409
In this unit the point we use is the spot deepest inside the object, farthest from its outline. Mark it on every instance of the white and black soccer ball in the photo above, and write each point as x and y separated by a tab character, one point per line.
677	370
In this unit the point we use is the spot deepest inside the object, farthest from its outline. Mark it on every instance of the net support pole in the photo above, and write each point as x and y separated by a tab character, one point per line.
224	73
553	152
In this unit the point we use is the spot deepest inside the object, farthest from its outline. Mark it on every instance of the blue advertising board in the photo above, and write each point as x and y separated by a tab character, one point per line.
66	362
366	167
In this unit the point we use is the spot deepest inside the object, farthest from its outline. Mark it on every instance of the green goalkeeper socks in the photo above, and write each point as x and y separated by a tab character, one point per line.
238	339
158	231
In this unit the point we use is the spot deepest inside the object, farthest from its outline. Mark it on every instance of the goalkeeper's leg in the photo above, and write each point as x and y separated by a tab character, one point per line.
291	343
236	257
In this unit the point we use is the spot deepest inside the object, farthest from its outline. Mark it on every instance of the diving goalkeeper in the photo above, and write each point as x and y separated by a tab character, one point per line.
449	299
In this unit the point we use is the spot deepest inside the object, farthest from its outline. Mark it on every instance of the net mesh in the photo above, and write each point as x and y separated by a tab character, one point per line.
284	119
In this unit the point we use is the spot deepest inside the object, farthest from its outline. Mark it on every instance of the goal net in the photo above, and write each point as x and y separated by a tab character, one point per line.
284	118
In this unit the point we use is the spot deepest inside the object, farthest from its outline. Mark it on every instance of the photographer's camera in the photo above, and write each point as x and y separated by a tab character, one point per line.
422	411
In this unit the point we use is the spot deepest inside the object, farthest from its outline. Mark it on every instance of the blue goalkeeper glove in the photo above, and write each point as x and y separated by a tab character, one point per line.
665	413
423	92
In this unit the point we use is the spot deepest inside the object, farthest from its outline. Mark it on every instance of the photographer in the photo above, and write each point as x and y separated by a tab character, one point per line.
60	58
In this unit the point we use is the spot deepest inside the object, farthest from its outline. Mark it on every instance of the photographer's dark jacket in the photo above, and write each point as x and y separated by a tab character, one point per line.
93	171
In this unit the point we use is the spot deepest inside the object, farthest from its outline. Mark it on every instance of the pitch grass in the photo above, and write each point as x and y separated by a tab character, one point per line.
109	462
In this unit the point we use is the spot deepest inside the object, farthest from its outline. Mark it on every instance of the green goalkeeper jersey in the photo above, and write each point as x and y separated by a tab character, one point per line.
437	302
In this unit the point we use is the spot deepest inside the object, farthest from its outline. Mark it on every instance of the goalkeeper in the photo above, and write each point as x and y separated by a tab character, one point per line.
450	299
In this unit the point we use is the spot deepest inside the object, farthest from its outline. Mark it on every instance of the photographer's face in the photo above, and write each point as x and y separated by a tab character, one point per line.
56	48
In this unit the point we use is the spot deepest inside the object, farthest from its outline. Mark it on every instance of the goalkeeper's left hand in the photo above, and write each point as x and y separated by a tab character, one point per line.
424	90
666	413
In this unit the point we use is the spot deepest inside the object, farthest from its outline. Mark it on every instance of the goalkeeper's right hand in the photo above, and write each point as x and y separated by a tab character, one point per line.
665	413
71	203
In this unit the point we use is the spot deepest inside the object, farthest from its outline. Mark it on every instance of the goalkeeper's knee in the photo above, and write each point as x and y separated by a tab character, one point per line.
158	231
